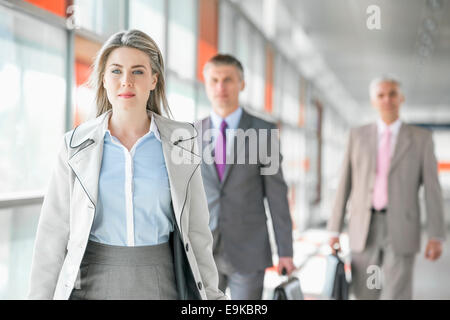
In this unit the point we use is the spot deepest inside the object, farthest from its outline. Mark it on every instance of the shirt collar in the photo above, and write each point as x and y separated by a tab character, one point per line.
153	126
232	119
393	127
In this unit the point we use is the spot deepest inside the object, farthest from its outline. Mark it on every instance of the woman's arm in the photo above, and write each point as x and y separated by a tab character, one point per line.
201	238
200	235
52	233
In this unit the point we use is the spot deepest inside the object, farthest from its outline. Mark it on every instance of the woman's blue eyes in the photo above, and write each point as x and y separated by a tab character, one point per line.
117	71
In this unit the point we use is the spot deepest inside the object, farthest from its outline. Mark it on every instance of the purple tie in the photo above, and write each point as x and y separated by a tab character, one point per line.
221	150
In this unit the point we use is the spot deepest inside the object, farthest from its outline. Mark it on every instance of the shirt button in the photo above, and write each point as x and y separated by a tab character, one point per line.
199	285
187	247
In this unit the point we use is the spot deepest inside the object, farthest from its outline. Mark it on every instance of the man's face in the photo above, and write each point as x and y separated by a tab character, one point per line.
387	98
223	85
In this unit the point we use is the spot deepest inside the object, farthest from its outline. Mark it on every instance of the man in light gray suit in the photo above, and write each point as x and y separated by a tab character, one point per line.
238	178
384	166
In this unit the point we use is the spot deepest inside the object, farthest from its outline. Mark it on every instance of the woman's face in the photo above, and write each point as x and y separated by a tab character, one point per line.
128	78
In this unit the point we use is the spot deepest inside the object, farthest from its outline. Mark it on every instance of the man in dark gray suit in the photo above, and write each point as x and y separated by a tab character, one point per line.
241	167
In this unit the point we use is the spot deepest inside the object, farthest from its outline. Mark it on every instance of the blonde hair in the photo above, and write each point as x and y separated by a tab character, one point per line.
132	39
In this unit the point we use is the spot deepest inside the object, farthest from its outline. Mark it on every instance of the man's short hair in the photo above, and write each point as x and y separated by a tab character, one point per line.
381	79
225	59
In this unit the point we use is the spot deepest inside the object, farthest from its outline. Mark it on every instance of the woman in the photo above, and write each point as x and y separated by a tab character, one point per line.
125	216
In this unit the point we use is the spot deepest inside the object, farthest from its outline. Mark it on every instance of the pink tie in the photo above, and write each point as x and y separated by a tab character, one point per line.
380	192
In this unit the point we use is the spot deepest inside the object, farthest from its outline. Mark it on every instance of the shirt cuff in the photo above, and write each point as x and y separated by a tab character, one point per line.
333	234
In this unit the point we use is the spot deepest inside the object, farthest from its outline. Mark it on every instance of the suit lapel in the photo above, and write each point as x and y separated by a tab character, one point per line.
239	145
209	168
402	145
373	145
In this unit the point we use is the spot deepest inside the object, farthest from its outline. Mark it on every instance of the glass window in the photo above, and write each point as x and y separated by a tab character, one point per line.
181	98
226	28
290	100
84	98
243	54
148	16
203	105
277	85
182	37
292	146
103	17
17	234
292	143
257	73
33	91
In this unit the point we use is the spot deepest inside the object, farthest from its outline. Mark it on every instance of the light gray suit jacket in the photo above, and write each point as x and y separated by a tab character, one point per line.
413	164
236	204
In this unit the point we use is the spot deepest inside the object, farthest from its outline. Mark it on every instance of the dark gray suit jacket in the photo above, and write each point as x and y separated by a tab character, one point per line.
236	204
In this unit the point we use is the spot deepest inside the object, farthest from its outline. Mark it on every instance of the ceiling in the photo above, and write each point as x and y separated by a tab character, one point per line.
356	54
413	43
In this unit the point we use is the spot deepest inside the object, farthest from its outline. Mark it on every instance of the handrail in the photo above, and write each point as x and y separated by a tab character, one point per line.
13	200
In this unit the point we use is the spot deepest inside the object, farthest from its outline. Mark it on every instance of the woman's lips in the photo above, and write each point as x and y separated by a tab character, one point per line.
126	95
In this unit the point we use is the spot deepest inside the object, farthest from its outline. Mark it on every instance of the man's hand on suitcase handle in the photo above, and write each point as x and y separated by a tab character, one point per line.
335	245
285	265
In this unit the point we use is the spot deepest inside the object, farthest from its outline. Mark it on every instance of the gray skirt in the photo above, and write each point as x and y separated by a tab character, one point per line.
132	273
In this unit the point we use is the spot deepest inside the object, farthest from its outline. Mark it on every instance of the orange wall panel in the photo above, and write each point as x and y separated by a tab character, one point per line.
268	99
443	166
82	72
56	6
208	33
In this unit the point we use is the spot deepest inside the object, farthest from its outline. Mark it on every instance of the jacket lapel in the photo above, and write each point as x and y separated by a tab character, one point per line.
402	145
181	162
85	155
373	145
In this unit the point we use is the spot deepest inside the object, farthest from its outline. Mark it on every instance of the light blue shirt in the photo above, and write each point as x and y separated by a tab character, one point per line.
134	203
232	121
